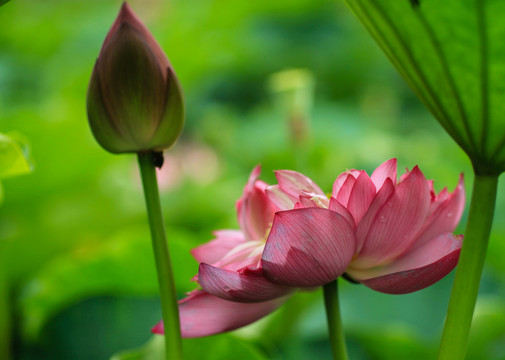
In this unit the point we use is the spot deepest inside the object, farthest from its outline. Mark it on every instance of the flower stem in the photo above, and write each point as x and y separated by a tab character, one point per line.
336	333
163	265
469	270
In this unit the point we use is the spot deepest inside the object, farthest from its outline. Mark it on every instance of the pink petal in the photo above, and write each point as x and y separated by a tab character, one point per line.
247	285
255	173
255	212
445	217
344	192
308	247
216	249
341	210
295	184
397	223
299	205
361	196
416	269
202	314
341	179
384	171
245	254
376	205
279	198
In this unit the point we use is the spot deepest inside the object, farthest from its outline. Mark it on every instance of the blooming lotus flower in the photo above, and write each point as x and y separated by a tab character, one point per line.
134	99
402	230
235	291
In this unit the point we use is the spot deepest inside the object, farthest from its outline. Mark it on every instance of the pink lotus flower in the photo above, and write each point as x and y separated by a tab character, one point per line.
392	237
402	239
235	291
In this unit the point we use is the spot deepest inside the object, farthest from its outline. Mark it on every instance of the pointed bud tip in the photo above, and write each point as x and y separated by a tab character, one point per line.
127	14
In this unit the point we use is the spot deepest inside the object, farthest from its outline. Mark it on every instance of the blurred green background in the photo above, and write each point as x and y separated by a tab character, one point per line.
286	84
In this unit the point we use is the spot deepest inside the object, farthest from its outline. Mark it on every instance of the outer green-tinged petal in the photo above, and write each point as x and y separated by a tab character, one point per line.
308	247
172	120
106	132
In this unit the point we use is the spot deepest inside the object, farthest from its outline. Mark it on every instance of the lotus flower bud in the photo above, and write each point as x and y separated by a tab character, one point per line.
134	99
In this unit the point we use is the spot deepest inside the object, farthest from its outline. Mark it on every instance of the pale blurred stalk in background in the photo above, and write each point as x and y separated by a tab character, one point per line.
293	93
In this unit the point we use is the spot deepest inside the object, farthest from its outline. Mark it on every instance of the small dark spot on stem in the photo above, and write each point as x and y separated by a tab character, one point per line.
158	159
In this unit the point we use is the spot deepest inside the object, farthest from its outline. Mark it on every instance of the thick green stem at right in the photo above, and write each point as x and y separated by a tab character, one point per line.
468	273
335	330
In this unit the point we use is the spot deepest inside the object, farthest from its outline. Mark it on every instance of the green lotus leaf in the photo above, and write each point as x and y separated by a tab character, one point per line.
452	55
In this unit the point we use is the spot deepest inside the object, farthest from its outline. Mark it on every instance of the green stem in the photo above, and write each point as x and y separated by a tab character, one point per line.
469	270
163	266
336	333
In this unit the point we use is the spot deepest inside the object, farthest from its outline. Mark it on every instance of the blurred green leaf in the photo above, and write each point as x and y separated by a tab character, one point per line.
152	350
3	2
452	55
395	342
487	338
118	266
221	347
14	155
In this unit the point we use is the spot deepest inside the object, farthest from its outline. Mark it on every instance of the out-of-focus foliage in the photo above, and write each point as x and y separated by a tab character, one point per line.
74	237
14	156
211	348
14	160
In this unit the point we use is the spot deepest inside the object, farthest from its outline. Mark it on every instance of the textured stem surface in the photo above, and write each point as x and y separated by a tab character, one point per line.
469	270
163	265
336	333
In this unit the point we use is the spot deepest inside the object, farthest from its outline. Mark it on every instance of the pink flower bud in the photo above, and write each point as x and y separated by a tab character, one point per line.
134	99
